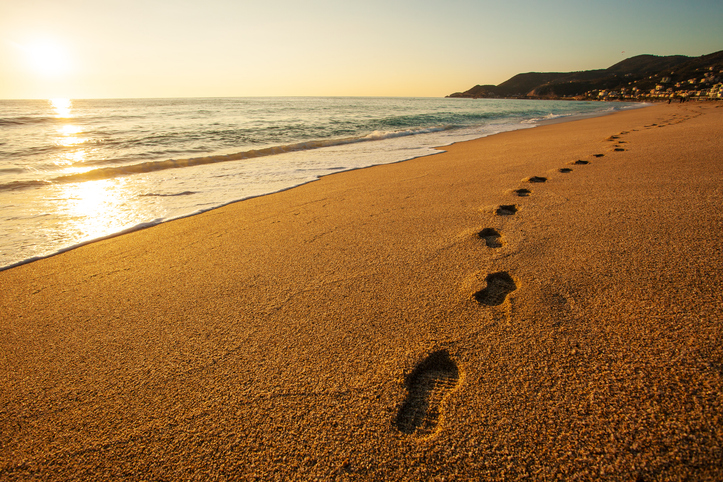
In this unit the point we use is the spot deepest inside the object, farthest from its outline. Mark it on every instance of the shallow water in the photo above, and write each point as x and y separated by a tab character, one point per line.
72	171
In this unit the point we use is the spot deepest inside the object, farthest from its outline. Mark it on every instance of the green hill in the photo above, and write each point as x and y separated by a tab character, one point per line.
642	72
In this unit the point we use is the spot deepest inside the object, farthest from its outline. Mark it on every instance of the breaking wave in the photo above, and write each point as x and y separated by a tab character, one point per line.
153	166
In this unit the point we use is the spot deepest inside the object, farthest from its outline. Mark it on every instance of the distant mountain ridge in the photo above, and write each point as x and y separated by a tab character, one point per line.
643	72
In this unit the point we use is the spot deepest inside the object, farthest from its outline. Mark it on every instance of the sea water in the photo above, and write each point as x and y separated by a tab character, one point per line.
74	171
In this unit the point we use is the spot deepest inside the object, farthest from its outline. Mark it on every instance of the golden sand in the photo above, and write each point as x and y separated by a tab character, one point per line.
414	321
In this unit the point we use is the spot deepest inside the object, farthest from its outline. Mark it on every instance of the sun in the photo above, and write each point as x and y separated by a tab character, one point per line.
45	57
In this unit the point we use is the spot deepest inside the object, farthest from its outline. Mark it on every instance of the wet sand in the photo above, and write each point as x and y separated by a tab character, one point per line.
414	321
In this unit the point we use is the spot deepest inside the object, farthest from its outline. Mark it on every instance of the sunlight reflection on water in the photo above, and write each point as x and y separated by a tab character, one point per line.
93	209
43	207
62	107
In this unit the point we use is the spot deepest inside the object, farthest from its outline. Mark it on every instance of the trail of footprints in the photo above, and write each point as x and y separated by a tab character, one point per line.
435	377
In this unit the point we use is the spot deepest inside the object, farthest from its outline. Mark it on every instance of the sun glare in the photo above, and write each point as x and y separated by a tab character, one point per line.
46	58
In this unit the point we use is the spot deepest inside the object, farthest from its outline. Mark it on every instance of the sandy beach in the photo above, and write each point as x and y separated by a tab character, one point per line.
542	304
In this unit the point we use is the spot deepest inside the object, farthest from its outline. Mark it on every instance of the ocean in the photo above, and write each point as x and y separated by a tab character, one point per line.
74	171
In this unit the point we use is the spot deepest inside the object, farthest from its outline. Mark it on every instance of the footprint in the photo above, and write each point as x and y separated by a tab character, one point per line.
618	149
523	192
427	386
491	237
499	285
581	162
565	170
598	155
537	179
506	210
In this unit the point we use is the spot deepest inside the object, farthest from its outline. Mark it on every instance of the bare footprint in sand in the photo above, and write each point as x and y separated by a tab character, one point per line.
523	192
581	162
536	179
427	387
565	170
499	285
506	210
492	237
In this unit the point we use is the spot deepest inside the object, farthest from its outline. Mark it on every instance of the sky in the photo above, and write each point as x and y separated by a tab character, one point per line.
408	48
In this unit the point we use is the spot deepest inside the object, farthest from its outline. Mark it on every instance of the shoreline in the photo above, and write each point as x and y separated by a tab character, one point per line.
438	149
406	321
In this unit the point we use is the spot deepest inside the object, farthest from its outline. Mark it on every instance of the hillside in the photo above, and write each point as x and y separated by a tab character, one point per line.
634	77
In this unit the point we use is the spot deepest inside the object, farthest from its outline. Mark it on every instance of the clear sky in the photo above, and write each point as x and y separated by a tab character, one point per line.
237	48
